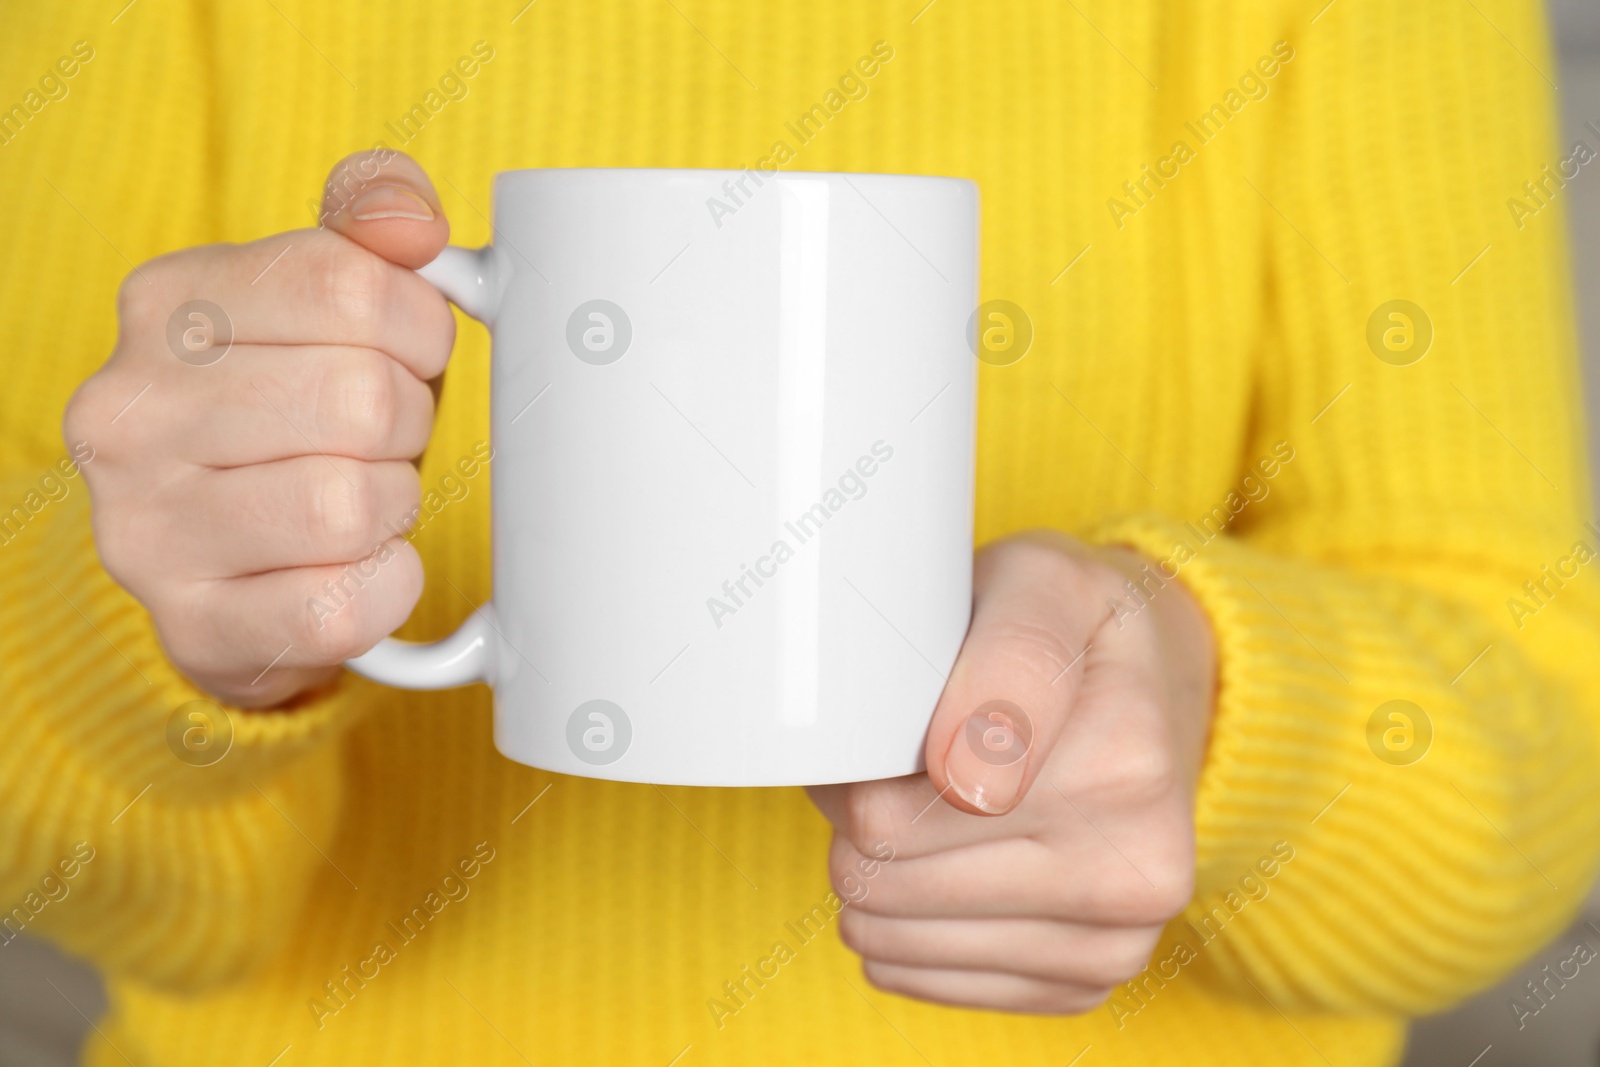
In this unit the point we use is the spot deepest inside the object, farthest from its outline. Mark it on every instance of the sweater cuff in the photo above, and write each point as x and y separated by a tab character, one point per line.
80	658
1278	730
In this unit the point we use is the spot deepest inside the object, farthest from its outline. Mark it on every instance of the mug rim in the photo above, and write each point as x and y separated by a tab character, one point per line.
522	173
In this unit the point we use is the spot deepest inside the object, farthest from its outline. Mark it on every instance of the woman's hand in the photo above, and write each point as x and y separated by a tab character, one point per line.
1066	747
254	430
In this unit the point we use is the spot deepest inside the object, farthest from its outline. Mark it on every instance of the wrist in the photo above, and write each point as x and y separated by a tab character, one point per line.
1186	645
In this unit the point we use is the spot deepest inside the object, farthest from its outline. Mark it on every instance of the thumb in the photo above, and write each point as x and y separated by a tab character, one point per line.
382	200
1036	608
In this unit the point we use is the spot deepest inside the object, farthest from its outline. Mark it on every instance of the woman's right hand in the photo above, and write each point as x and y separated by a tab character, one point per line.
232	483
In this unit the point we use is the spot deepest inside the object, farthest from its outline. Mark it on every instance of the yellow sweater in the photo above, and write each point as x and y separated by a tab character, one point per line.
1200	206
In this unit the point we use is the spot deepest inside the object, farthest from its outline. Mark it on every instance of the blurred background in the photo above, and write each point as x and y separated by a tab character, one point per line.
49	1002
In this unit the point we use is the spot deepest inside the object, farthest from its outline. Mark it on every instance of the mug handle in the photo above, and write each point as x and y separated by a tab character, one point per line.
469	278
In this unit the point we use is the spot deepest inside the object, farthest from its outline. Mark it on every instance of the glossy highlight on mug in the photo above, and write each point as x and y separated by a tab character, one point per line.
717	396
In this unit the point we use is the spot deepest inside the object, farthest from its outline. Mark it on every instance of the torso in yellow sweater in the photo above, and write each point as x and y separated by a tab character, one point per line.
1199	206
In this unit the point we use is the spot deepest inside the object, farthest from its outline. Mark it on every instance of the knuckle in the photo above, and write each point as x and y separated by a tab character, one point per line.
358	400
888	978
400	504
147	294
1145	773
1033	645
1127	958
838	870
133	297
181	639
343	509
89	416
335	635
334	623
1156	903
115	544
136	295
1079	1001
1105	582
83	409
1138	767
1157	882
348	609
1074	573
356	283
1174	892
866	817
854	931
187	620
1047	555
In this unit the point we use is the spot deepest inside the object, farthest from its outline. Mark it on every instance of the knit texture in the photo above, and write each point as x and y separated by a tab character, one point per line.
1192	330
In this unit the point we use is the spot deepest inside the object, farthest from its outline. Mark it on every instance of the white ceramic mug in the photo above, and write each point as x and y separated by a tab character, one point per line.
732	421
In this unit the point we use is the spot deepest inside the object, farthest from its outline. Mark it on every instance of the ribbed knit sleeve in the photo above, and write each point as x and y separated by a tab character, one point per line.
1424	542
195	870
1410	885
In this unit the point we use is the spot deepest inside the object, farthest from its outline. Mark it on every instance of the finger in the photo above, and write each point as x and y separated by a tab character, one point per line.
301	512
1035	612
1018	878
907	818
978	989
252	626
383	200
302	287
276	688
1090	956
269	402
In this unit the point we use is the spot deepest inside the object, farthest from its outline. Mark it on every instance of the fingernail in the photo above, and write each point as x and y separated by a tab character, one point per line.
988	758
390	202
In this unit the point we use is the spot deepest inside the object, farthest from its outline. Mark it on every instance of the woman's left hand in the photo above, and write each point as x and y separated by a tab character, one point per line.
1065	748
